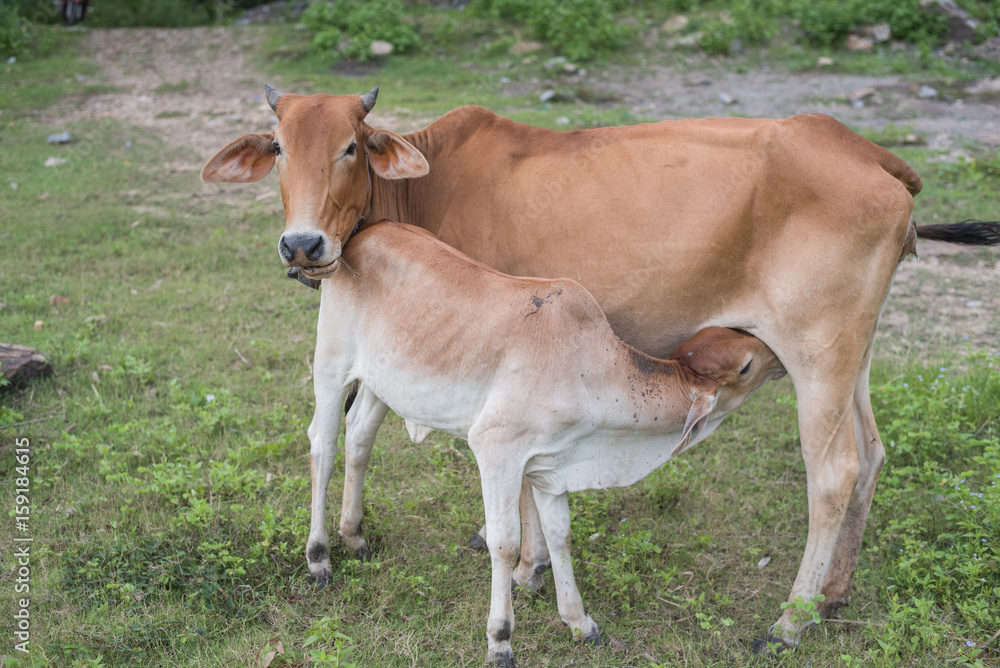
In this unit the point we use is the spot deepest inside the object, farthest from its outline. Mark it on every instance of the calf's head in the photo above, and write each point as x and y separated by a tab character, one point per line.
324	150
727	367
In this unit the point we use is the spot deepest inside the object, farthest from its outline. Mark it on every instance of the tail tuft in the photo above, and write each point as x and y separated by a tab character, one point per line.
969	232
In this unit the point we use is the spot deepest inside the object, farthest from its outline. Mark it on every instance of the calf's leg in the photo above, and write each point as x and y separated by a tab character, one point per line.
323	433
553	510
363	420
534	559
500	490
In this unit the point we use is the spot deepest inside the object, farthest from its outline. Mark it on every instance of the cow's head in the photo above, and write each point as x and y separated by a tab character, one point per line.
324	150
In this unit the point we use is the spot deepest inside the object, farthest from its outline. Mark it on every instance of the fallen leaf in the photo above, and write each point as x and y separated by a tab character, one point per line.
57	299
763	562
39	324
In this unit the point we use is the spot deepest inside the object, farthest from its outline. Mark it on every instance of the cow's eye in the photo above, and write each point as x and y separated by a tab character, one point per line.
276	147
745	370
352	148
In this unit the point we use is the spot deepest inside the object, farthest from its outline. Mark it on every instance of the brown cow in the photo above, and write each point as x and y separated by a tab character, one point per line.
788	229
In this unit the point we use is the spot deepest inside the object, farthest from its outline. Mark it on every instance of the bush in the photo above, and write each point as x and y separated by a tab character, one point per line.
356	24
15	31
577	29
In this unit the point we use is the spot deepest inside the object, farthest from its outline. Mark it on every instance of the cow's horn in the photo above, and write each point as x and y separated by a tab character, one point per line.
368	99
272	96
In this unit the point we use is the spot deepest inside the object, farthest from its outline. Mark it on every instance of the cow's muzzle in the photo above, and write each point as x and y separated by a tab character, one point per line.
303	249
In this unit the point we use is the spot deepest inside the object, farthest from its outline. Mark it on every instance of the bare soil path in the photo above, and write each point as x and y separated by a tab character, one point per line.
199	88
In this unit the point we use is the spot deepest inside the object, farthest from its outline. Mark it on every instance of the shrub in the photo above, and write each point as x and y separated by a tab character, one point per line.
15	31
356	24
577	29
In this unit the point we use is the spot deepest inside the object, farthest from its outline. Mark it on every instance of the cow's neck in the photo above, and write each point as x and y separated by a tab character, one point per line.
423	202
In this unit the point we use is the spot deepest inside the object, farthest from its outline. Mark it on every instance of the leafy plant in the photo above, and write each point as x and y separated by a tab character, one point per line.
348	27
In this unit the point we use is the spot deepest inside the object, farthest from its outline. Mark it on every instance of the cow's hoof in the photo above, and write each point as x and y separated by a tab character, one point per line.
323	578
505	660
363	553
769	645
477	543
593	639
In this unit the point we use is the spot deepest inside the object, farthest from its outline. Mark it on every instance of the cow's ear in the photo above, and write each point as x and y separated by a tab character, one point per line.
697	416
392	157
247	159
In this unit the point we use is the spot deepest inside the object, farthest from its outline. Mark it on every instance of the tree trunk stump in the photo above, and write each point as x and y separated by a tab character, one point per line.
21	364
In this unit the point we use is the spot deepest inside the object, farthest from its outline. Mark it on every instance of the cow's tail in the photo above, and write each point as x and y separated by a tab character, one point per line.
968	232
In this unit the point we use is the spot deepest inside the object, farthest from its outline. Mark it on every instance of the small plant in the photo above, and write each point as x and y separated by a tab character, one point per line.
349	27
335	649
804	609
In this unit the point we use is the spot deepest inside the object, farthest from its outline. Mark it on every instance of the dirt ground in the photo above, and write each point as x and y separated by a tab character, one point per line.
198	88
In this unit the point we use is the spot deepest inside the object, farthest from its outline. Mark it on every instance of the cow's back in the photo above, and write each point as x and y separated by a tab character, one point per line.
672	226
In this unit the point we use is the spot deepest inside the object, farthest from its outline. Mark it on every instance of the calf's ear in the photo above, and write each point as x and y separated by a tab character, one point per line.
392	157
247	159
697	416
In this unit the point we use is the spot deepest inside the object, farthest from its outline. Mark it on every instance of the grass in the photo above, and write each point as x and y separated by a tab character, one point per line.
169	474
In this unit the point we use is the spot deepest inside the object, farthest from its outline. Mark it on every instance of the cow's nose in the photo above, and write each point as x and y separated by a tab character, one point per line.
310	246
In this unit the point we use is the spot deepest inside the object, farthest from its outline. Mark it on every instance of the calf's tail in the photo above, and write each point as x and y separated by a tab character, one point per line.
969	232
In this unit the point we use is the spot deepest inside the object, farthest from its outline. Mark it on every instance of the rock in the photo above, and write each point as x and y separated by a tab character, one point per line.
913	140
974	304
21	364
39	324
858	43
505	80
726	98
988	50
55	300
865	96
524	46
676	24
11	60
824	61
878	33
927	93
985	86
60	138
546	95
962	27
562	120
380	47
81	78
53	162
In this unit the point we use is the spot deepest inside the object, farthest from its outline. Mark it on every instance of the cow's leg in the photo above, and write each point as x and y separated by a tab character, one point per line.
824	389
553	510
534	559
323	433
363	420
501	485
871	455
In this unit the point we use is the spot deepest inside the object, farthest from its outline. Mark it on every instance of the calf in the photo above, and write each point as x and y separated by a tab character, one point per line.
529	371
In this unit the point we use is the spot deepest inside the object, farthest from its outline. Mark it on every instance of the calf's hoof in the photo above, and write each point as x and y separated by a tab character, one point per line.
769	646
593	639
322	578
505	660
477	543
